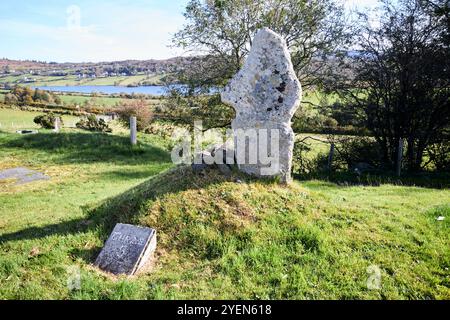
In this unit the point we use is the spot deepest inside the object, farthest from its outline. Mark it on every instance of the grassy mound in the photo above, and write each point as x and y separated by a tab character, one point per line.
217	238
253	239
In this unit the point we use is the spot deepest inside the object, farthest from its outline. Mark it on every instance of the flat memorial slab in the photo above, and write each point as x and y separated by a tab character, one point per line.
127	249
23	175
27	132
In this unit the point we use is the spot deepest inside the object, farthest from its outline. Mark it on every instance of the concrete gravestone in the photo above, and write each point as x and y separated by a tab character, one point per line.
127	249
265	94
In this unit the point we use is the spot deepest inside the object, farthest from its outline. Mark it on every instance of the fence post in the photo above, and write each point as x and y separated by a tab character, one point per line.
399	157
133	130
57	124
330	157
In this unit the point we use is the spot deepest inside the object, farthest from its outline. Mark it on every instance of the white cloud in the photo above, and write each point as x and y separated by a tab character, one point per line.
117	33
108	32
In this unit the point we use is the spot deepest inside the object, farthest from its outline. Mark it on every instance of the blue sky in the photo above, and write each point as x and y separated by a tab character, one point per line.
87	30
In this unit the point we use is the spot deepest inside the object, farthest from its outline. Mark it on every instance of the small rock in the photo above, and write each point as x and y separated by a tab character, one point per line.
199	167
361	167
86	222
238	181
225	169
34	252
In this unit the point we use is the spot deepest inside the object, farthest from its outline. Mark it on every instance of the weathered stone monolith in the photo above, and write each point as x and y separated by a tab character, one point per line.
265	94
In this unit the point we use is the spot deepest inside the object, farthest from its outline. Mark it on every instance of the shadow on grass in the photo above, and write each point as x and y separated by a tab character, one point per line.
431	180
124	208
78	147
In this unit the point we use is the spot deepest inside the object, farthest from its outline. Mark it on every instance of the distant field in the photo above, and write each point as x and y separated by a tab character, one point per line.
319	98
13	120
98	101
133	80
80	100
72	80
56	81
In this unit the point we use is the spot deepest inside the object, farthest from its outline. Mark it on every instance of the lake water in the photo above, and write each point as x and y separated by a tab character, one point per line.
152	90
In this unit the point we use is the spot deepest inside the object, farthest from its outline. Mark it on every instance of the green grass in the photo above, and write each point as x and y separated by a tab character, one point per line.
80	100
12	120
58	81
132	80
98	101
72	80
318	98
216	238
85	169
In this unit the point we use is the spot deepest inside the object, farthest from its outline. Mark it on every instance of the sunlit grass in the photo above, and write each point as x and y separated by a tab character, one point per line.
216	238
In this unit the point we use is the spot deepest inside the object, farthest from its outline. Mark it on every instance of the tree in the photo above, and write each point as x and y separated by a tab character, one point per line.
11	99
137	108
92	124
222	30
47	121
402	78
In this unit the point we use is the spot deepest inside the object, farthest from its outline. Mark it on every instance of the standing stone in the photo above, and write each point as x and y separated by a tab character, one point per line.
133	130
127	249
265	94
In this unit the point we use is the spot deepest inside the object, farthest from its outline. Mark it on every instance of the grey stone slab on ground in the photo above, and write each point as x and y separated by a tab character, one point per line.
23	175
127	249
265	94
27	131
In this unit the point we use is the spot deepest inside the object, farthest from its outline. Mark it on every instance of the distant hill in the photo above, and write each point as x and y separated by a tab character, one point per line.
125	68
142	72
17	65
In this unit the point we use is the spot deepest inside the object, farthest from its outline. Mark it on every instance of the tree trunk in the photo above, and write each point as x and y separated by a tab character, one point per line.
410	154
419	156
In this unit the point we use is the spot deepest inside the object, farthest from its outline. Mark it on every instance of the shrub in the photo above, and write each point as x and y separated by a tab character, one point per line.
304	163
137	108
47	121
330	122
11	99
92	124
160	128
439	155
27	96
352	151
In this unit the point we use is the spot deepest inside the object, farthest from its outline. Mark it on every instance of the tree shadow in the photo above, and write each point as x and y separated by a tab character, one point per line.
124	174
430	180
124	208
77	147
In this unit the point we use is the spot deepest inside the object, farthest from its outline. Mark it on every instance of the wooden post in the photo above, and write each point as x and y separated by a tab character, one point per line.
399	157
57	124
330	157
133	130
